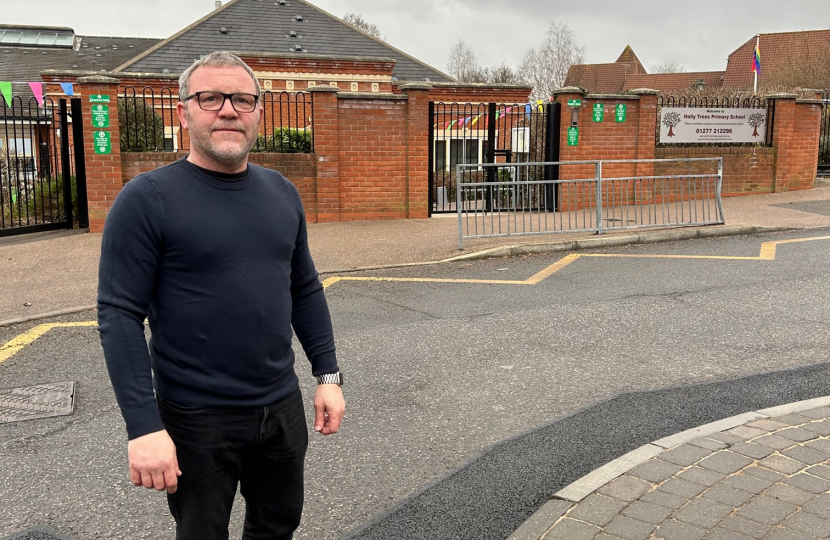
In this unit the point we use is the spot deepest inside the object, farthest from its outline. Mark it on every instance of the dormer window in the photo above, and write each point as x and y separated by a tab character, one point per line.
36	37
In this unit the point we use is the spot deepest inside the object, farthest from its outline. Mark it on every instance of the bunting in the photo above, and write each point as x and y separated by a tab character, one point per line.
6	90
37	90
472	120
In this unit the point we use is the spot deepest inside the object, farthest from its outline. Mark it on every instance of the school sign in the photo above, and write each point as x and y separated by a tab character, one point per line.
711	125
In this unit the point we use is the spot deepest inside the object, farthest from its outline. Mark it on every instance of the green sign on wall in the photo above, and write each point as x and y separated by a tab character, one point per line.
574	103
99	98
103	143
599	112
573	136
101	116
619	112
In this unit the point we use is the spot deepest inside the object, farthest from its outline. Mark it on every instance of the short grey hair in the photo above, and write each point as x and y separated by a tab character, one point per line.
215	59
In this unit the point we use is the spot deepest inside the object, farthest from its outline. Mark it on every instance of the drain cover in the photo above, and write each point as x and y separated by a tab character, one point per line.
41	401
39	532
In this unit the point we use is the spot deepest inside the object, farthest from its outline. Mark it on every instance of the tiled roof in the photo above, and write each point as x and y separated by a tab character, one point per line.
778	53
606	78
91	53
674	82
94	53
628	57
264	26
600	78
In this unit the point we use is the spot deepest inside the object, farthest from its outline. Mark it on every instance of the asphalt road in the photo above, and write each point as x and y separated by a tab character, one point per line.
437	373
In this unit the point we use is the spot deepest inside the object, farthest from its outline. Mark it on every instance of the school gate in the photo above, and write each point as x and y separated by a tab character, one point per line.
42	171
473	133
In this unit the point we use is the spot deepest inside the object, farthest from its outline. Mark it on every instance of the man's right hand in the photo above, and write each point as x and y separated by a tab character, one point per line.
153	462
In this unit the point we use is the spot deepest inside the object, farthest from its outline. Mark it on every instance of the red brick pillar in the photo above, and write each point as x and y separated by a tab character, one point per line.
783	139
103	171
796	140
807	136
571	199
417	149
326	149
646	141
646	129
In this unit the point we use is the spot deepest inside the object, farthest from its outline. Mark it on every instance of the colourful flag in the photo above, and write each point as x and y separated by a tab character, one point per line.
756	59
528	109
68	88
6	90
37	90
475	120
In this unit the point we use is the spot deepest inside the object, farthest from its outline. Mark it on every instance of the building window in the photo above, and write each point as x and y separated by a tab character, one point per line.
463	151
440	156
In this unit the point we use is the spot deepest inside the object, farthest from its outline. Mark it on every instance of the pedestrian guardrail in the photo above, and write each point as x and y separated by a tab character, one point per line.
517	199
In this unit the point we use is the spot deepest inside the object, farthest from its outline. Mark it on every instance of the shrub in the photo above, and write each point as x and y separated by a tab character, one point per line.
285	140
142	129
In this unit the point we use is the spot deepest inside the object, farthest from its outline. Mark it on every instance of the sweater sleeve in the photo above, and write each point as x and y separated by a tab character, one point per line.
130	251
310	313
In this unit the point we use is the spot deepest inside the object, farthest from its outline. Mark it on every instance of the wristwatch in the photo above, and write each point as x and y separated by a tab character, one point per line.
331	378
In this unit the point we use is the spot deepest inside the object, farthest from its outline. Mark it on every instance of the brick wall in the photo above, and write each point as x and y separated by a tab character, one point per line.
746	170
790	164
372	157
301	169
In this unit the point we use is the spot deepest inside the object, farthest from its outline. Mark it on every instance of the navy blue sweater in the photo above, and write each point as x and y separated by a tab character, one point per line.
222	270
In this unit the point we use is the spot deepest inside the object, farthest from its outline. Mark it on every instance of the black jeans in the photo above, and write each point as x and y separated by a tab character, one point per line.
261	448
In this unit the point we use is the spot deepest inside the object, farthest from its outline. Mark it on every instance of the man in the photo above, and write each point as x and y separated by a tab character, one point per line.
213	250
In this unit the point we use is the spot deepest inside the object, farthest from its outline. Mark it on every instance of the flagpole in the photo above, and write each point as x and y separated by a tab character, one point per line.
754	65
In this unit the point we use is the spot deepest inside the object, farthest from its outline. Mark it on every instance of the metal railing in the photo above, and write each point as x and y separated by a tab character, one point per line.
148	121
824	135
590	196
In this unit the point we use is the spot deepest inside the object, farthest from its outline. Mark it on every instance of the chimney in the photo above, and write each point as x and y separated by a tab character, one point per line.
218	4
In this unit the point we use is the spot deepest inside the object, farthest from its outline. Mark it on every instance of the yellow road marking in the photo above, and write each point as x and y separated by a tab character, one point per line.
767	253
13	346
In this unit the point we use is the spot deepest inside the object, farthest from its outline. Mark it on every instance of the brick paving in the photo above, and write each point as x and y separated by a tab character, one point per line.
769	478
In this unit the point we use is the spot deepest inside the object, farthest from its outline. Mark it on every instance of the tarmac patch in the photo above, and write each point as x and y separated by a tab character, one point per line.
40	401
39	532
821	208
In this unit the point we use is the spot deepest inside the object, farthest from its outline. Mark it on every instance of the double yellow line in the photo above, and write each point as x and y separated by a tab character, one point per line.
767	253
768	250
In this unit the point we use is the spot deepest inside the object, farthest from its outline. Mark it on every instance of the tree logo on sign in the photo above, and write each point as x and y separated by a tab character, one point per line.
670	120
756	120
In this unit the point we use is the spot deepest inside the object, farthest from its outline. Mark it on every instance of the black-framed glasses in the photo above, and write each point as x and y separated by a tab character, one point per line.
214	101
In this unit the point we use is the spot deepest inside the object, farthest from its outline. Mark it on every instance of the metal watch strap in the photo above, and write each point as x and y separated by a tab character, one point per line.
331	378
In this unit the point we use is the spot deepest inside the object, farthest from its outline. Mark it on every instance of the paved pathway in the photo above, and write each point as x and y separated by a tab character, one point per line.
764	474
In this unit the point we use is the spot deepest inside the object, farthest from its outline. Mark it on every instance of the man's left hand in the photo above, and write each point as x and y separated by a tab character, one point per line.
329	406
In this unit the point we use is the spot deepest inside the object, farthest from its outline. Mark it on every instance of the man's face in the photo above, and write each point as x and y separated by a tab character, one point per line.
222	137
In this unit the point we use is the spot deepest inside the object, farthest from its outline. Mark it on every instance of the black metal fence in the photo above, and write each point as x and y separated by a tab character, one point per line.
723	102
41	185
471	133
824	138
149	123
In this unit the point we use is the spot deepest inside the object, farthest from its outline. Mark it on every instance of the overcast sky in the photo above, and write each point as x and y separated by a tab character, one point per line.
697	34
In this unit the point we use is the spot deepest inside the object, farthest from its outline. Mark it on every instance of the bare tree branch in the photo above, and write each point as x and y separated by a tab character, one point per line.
462	64
668	67
546	67
357	20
